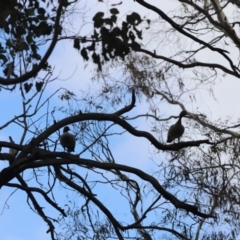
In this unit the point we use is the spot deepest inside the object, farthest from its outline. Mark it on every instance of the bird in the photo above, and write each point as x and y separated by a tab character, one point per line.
177	129
67	140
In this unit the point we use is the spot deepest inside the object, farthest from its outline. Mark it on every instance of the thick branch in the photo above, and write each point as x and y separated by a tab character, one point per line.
114	118
67	159
106	117
129	107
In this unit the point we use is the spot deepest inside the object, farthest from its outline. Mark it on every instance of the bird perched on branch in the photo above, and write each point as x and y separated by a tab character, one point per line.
177	129
67	140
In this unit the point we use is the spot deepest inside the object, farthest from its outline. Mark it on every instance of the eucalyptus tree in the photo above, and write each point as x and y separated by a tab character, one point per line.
184	190
189	48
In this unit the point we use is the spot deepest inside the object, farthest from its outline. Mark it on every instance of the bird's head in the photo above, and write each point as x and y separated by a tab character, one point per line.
183	113
66	129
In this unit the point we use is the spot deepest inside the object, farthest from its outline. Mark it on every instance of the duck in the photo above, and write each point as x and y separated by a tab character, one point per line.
177	129
67	140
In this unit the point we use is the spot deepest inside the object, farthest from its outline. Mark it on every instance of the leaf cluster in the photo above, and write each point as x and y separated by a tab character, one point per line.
109	40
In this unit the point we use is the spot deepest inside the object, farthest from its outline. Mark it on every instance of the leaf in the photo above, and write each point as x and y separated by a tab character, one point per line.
98	23
105	33
27	87
135	46
36	56
114	11
134	19
108	21
95	35
34	48
38	86
116	32
29	38
98	16
84	54
41	11
114	18
148	21
132	36
91	47
3	58
6	28
33	67
96	59
76	44
23	46
139	33
20	30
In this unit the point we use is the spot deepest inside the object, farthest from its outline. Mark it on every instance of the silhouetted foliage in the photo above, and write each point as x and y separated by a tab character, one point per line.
113	187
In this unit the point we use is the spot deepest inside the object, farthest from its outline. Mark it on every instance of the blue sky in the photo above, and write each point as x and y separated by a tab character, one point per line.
127	149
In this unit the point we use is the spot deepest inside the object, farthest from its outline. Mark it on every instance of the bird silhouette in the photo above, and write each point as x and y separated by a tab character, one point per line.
177	129
67	140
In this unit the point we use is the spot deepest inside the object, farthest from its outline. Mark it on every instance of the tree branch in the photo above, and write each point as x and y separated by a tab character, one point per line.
36	69
129	107
182	31
34	189
67	159
190	65
37	207
90	196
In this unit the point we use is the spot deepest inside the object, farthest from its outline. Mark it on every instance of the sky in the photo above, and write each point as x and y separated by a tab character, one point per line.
72	73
